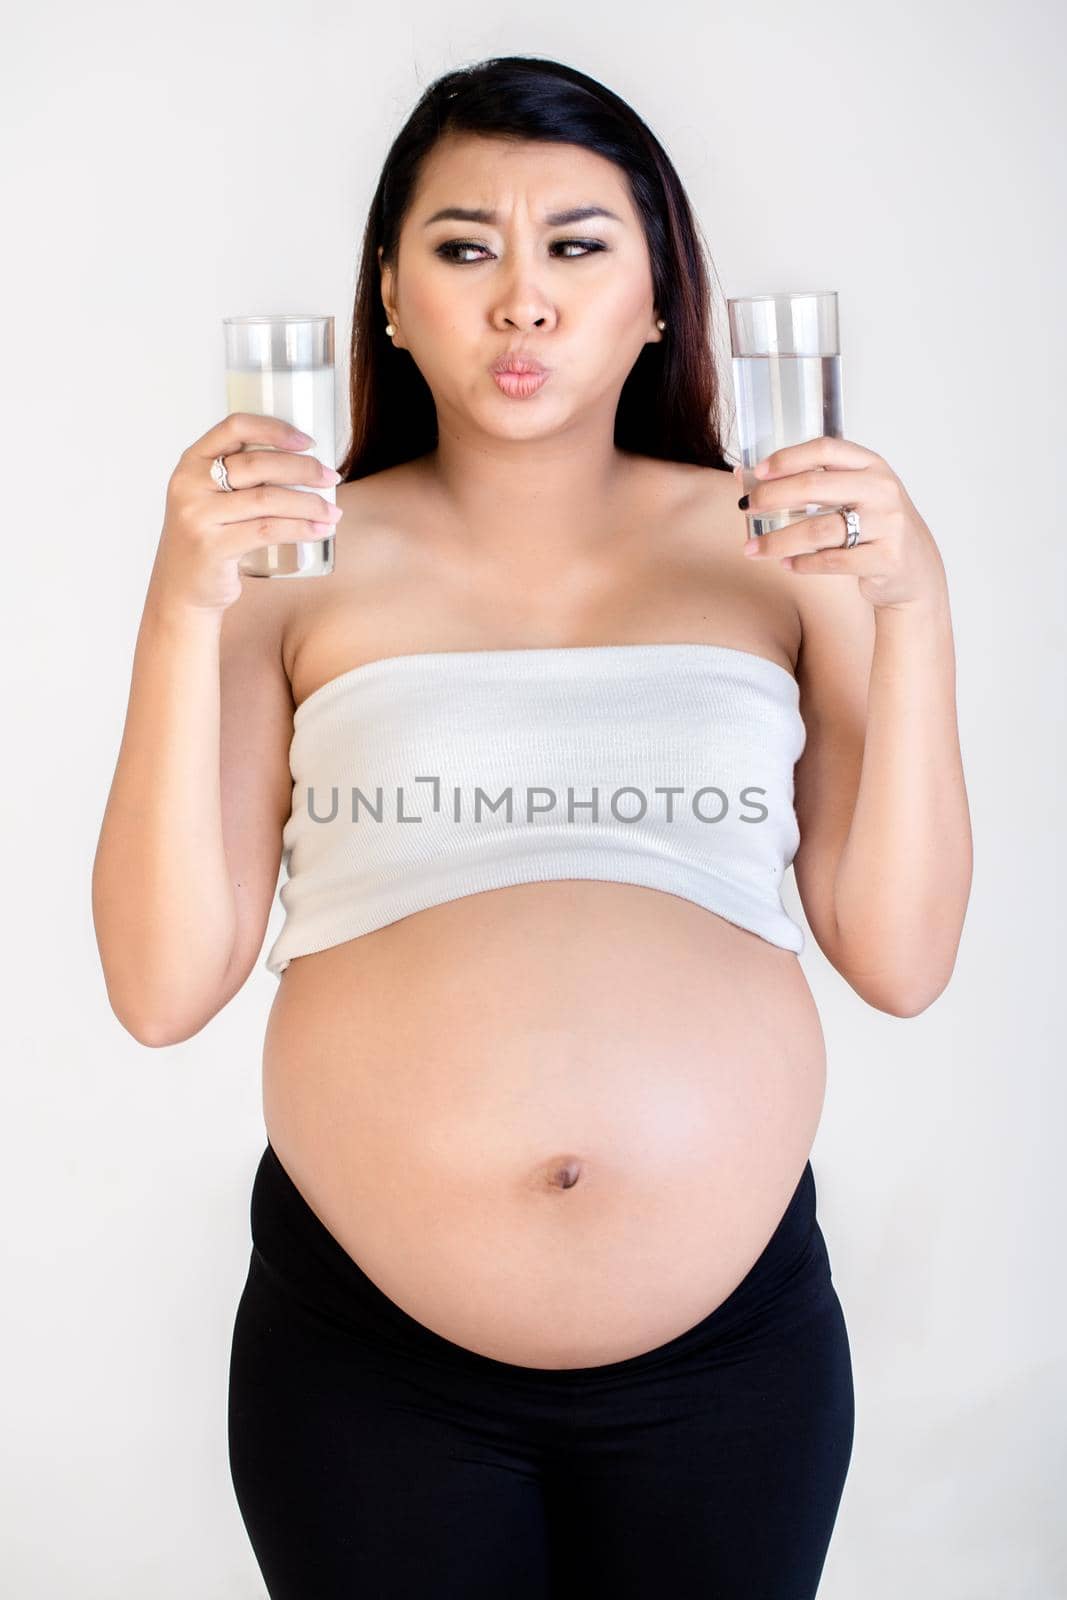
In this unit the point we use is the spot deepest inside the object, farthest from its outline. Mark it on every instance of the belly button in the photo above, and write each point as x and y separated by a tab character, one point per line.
563	1172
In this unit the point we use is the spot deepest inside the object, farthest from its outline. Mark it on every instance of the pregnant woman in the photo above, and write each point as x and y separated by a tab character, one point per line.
538	1303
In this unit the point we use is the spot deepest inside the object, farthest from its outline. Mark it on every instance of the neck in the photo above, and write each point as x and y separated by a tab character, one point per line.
536	504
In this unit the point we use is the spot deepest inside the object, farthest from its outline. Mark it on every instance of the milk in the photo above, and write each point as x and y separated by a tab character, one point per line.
305	398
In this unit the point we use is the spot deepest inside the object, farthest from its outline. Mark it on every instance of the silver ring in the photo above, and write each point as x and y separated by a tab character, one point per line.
218	473
852	526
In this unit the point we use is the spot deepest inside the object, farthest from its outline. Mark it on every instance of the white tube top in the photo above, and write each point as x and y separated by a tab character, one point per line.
419	779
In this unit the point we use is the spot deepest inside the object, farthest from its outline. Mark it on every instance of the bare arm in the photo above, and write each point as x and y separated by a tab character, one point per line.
190	845
163	903
904	876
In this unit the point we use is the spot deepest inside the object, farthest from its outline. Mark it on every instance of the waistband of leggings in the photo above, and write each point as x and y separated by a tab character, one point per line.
301	1253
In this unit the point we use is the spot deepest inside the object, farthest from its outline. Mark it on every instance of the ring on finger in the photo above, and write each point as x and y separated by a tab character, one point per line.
852	526
218	473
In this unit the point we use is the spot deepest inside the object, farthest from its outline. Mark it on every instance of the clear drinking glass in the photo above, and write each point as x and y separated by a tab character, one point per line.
282	366
787	381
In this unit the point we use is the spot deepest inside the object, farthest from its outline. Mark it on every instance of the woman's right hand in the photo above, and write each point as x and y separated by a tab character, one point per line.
207	530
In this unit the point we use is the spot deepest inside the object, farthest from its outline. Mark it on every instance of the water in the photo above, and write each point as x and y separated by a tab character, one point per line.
305	398
782	400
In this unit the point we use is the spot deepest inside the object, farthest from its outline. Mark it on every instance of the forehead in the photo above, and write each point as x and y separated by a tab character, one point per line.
494	174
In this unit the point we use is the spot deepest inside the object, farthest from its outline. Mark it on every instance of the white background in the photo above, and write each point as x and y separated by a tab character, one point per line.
165	169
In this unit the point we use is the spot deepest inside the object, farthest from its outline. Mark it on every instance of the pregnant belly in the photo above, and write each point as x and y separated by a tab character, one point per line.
556	1123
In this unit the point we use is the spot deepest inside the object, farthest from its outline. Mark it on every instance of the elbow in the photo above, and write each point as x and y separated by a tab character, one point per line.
907	1004
158	1017
907	1000
918	994
895	994
155	1032
158	1038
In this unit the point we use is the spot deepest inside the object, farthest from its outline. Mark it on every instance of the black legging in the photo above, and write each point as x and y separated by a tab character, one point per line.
373	1458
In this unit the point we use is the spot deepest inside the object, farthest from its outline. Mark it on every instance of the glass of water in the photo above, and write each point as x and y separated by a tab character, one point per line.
787	381
282	366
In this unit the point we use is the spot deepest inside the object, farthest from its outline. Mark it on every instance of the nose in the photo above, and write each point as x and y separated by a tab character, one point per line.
521	315
519	303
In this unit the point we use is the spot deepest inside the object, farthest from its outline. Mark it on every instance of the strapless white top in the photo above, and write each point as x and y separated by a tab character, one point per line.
419	779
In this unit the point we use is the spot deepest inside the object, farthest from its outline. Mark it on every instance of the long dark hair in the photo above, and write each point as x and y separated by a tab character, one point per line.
669	406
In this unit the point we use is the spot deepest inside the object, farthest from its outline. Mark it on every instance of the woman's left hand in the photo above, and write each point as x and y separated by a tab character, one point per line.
895	559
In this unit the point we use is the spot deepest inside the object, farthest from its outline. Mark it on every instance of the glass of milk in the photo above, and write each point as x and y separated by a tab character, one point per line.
787	380
282	366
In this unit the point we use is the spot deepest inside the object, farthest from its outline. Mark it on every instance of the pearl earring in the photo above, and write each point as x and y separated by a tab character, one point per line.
390	330
660	324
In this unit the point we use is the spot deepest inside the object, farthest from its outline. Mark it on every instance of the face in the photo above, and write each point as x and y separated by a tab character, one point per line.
576	295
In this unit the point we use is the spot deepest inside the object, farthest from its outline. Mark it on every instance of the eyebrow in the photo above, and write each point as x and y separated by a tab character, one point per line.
554	219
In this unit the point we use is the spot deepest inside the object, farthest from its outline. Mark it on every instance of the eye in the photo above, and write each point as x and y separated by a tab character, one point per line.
587	247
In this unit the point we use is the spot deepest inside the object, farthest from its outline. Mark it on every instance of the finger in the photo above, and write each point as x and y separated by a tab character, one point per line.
255	534
825	451
268	500
797	538
819	548
242	428
855	488
862	561
246	468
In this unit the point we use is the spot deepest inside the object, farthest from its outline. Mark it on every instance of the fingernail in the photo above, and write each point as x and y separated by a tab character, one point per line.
750	546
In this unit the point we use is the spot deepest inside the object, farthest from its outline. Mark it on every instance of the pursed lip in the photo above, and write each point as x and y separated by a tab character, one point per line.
517	364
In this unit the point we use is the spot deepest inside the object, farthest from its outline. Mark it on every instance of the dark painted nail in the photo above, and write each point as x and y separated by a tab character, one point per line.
742	504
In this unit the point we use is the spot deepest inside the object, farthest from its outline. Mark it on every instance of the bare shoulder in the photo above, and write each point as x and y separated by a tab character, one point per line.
384	493
383	504
684	485
712	526
254	625
368	504
696	551
703	501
